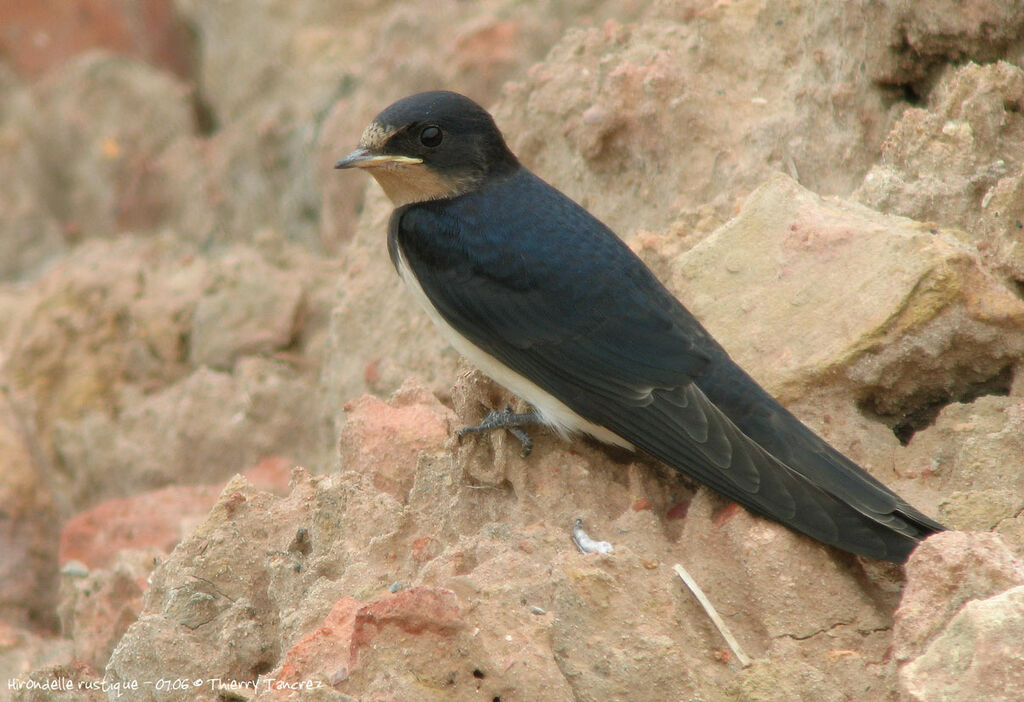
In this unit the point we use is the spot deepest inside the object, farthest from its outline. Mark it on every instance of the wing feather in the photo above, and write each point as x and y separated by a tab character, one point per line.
624	354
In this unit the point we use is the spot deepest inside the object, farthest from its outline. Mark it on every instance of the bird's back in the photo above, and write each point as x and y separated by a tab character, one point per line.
537	282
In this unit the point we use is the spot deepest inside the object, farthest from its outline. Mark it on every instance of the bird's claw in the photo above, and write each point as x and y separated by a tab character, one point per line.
506	419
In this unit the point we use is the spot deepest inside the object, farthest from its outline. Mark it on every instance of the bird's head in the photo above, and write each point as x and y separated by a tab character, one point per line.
431	146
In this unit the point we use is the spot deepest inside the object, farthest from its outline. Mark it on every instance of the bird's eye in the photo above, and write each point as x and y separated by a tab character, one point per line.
431	136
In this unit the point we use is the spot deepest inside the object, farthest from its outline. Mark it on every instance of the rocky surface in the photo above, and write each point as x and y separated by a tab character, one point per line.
958	626
956	161
188	291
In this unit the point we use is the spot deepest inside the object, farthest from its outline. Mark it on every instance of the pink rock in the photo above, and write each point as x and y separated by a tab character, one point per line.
155	519
490	50
945	572
272	474
39	35
331	651
414	611
326	650
385	438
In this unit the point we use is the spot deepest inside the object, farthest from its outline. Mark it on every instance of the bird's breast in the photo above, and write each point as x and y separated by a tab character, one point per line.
552	411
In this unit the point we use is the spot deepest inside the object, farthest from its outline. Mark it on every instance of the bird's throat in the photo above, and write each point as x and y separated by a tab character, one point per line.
405	184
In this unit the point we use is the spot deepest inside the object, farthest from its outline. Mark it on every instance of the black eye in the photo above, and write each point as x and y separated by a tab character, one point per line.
431	136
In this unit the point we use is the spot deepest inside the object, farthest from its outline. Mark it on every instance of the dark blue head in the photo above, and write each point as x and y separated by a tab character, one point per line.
431	145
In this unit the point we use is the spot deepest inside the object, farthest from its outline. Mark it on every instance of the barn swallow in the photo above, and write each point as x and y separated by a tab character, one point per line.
550	303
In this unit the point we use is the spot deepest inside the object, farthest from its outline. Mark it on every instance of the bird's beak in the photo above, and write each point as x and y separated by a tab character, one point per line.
364	158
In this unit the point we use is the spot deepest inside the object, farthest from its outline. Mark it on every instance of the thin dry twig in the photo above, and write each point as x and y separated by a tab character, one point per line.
712	613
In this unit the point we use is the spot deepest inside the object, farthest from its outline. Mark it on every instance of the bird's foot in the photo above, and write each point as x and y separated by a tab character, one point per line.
506	419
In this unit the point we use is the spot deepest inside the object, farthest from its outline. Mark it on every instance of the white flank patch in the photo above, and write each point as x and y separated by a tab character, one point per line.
552	410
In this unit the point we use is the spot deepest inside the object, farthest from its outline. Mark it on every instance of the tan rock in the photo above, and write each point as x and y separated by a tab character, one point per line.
235	606
979	651
428	569
968	454
957	296
28	525
373	313
909	39
415	632
99	321
957	162
22	651
102	347
669	123
108	553
491	597
155	520
249	307
97	163
769	601
945	572
32	236
97	608
475	49
206	427
67	682
292	86
806	293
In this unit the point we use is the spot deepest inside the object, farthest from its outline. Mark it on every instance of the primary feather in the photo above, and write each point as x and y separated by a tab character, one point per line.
604	337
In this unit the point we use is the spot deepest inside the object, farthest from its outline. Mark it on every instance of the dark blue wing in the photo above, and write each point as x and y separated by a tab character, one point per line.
535	281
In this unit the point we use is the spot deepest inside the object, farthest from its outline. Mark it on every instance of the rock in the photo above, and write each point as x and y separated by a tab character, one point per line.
22	651
721	540
219	606
396	62
116	313
979	650
364	335
965	452
155	520
249	307
240	46
980	510
611	96
63	682
779	680
642	124
28	526
132	317
910	40
418	632
932	323
206	427
470	587
412	565
957	161
384	439
32	237
1012	530
98	164
119	543
98	608
39	36
945	572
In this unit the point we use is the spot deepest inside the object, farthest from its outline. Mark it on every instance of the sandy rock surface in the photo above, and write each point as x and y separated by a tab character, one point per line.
228	468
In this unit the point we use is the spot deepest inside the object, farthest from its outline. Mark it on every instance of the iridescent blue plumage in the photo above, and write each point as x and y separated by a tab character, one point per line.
535	283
